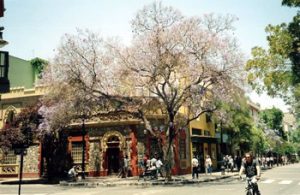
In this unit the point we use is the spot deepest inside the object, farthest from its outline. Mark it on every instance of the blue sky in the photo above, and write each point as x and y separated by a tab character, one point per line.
34	27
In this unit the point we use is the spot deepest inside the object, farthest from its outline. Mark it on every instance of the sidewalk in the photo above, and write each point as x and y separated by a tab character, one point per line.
135	181
113	181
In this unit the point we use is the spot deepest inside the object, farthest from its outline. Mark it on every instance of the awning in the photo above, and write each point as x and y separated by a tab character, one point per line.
204	139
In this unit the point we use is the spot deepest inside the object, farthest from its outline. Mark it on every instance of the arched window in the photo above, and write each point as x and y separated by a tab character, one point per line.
10	117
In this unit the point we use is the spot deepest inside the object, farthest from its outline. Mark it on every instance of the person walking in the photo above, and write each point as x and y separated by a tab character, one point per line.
208	165
125	166
238	162
195	165
159	164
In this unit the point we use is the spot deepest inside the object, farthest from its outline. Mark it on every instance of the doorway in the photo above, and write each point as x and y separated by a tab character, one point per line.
113	160
113	155
199	152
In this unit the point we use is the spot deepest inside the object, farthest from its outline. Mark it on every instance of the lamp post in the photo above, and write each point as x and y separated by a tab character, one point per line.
222	118
221	136
83	149
2	41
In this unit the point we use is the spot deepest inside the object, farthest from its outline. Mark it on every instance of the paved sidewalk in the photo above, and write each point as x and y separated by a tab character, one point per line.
112	181
136	181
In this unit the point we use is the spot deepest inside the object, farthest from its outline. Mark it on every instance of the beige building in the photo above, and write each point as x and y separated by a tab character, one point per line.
288	123
254	110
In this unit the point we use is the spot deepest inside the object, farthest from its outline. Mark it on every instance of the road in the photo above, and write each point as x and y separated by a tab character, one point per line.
277	181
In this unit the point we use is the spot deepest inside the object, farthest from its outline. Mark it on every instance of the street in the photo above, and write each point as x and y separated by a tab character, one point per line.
277	181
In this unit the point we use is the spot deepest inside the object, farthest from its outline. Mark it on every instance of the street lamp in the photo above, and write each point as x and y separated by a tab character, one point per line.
221	136
2	41
83	148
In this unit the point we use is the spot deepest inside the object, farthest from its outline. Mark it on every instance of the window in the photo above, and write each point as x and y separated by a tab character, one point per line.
182	148
3	64
77	152
196	131
10	158
10	117
208	117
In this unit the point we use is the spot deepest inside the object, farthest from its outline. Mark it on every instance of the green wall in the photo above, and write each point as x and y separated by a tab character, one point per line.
21	73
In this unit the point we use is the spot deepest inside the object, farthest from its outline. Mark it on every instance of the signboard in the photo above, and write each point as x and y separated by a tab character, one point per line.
18	151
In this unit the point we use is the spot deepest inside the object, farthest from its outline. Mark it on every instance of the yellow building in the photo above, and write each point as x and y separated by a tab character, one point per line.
203	141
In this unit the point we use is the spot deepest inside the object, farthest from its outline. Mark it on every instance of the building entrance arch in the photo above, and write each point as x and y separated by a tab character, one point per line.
113	146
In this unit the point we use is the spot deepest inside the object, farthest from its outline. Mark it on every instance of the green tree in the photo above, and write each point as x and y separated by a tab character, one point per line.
39	65
277	70
237	122
295	140
291	3
259	142
272	118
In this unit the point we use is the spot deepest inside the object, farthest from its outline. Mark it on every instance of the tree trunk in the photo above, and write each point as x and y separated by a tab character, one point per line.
169	160
168	150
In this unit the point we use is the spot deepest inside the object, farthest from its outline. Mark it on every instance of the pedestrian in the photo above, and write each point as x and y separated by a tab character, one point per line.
238	162
153	165
195	165
159	164
72	173
125	166
153	171
121	169
208	165
145	159
153	160
225	162
230	163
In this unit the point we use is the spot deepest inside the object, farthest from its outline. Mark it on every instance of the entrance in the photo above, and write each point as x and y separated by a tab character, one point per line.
113	155
199	152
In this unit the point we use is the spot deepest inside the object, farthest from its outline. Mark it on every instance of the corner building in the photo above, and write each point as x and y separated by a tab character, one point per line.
107	139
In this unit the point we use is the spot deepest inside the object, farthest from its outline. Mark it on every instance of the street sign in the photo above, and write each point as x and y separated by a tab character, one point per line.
18	151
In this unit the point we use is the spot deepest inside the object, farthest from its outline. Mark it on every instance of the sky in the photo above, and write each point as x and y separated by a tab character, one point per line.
34	28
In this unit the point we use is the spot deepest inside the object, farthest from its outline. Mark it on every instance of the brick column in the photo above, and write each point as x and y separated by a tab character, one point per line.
134	153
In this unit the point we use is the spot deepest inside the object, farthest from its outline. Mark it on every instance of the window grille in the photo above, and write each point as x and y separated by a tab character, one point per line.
10	158
77	152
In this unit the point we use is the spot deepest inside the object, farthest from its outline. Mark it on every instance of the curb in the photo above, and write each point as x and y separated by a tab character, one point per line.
175	182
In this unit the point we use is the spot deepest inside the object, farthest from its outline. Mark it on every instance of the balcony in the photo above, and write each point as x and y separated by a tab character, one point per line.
4	65
9	170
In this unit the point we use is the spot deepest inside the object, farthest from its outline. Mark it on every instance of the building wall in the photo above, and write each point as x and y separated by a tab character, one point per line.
31	162
203	141
23	93
17	99
21	73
